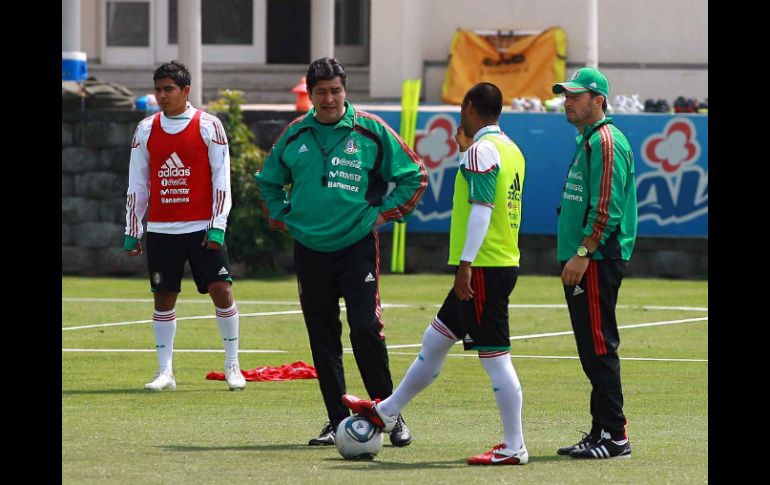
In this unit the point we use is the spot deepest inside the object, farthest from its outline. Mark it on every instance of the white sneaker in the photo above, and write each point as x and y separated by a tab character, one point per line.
161	382
234	377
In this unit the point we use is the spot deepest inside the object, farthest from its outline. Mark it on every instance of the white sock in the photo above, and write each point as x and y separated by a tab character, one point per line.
164	328
508	394
228	321
436	342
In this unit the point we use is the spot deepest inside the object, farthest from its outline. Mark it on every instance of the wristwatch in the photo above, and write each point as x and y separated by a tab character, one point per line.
583	252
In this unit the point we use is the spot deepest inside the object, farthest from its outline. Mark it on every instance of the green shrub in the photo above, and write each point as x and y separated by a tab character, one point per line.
249	239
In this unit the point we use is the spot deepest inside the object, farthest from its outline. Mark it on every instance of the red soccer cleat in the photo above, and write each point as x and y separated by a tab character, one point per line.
501	455
368	410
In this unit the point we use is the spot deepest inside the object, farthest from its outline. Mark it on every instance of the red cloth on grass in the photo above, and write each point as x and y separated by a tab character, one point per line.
286	372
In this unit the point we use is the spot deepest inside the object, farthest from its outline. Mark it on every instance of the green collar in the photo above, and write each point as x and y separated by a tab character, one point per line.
347	120
591	129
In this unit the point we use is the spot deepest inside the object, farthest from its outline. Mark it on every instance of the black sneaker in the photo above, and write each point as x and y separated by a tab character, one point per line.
400	436
587	441
325	438
605	448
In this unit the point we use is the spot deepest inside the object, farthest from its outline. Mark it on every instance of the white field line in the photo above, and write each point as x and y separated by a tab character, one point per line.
255	351
402	346
294	312
568	332
208	302
406	346
564	305
181	300
199	317
570	357
384	305
191	351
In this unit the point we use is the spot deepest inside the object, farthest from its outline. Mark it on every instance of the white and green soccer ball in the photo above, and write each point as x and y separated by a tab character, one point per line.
358	439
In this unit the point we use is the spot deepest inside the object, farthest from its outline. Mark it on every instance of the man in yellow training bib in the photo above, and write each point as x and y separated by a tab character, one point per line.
483	243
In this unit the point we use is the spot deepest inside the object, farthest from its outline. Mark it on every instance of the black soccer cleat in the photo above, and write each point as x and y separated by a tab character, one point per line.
400	436
325	438
605	448
587	441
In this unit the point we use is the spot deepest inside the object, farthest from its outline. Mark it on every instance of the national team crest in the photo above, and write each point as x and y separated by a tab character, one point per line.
351	146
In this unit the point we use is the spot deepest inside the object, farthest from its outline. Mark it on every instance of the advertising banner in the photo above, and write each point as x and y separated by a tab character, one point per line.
670	153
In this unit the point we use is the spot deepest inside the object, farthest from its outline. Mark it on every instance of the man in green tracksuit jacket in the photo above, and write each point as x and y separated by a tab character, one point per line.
325	180
596	235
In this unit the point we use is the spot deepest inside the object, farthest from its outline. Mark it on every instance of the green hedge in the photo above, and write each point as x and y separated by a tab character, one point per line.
249	239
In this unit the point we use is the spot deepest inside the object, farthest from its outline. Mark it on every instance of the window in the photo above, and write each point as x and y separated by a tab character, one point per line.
128	24
223	22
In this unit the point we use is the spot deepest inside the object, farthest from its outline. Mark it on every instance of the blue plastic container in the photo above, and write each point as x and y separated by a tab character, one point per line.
147	103
73	66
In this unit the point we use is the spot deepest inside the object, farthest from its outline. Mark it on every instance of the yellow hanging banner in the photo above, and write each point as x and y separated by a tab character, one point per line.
521	66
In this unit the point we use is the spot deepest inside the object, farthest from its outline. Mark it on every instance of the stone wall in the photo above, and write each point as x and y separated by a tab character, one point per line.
95	156
96	146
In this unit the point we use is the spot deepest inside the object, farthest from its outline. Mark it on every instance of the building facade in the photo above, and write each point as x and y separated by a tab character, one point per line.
655	48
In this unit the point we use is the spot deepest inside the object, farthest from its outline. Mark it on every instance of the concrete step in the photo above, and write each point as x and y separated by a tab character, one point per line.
260	83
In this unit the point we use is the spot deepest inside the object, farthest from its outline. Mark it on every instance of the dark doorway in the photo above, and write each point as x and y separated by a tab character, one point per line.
288	32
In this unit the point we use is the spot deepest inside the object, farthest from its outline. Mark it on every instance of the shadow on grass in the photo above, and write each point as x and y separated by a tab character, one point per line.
391	465
543	459
78	392
130	390
276	447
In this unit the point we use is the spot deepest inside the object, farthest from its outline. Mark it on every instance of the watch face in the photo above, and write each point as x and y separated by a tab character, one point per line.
582	251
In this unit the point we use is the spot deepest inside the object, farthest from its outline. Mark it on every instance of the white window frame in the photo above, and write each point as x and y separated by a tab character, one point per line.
132	56
256	53
160	50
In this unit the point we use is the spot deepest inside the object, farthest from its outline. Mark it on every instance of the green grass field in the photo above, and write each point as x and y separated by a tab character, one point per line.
114	431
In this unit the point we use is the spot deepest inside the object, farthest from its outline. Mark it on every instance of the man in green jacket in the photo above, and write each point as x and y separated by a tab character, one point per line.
596	235
326	180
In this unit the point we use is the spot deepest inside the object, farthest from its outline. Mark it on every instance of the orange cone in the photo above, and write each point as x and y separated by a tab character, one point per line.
303	102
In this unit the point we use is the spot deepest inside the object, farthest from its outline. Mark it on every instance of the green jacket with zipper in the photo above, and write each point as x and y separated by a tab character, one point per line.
327	186
599	195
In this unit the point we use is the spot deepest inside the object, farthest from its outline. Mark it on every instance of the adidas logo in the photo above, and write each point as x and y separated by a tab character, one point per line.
222	271
369	278
173	167
303	149
578	290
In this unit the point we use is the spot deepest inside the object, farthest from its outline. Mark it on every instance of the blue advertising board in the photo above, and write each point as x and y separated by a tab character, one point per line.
670	153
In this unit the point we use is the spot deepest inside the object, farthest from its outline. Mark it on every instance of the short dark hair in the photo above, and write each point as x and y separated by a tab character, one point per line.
325	69
486	99
176	71
604	103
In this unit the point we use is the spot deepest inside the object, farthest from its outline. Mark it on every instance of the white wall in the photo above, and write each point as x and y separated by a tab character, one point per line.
396	37
630	31
89	29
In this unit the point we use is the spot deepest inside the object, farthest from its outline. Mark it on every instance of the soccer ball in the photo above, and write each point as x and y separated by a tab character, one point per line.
358	439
